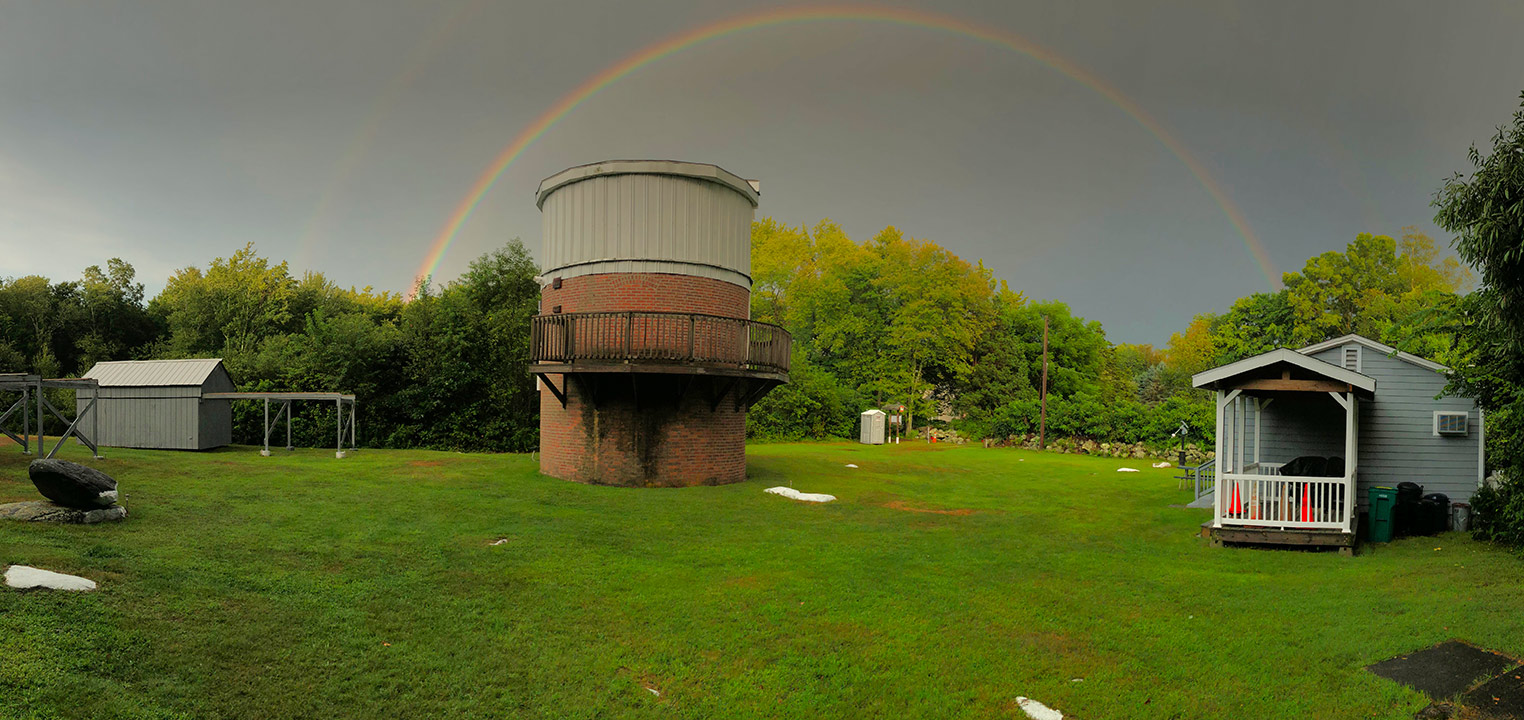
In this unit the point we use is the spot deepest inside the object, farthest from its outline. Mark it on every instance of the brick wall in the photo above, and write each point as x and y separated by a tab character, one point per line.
672	439
653	292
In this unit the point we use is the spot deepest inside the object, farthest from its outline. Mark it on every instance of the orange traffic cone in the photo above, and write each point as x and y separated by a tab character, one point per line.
1233	506
1306	510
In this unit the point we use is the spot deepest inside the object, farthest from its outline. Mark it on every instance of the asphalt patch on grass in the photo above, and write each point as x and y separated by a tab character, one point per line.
1445	670
1500	697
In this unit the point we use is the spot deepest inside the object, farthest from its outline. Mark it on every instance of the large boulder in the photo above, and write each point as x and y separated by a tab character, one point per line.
73	485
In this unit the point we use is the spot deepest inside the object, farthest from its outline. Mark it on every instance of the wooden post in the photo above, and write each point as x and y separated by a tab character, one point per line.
266	452
95	419
1351	461
1042	422
338	422
1239	411
1222	485
1258	419
26	418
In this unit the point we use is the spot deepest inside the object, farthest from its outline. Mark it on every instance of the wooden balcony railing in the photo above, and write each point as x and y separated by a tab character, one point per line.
659	338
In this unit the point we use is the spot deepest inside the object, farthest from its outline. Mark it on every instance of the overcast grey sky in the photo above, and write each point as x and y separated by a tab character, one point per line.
342	135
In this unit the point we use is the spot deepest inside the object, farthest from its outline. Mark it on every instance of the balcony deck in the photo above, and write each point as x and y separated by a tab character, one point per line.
660	343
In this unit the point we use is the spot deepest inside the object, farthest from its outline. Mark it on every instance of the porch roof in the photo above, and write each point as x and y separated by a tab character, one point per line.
1223	377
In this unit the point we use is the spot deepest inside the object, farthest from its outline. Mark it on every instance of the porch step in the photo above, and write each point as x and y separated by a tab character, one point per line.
1205	502
1345	542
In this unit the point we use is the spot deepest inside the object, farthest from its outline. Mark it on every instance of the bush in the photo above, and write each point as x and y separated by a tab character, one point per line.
813	405
1086	416
1497	513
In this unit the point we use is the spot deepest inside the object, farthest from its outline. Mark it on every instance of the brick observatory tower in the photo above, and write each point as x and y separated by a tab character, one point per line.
646	357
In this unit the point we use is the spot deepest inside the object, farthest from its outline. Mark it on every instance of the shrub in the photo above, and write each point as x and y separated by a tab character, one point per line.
813	405
1498	513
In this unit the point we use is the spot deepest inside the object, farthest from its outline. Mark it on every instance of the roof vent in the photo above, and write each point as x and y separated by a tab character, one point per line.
1352	358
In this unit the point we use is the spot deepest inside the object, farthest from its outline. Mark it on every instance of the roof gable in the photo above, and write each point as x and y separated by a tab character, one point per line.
155	373
1209	378
1384	349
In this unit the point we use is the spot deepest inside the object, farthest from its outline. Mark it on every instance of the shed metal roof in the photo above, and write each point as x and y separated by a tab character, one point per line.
154	373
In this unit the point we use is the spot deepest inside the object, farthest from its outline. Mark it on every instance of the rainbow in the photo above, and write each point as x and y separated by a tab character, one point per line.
781	16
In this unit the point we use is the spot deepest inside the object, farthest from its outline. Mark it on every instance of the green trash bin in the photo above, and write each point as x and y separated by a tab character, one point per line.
1383	501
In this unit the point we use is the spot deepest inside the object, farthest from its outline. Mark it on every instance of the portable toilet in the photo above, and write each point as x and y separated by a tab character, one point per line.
873	428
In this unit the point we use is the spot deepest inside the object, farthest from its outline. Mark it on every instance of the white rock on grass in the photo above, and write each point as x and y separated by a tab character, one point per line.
1127	469
851	465
793	494
22	577
1037	710
1161	465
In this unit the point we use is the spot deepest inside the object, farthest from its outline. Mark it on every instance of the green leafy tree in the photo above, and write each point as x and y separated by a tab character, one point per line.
779	256
228	309
1195	349
1485	211
940	305
116	323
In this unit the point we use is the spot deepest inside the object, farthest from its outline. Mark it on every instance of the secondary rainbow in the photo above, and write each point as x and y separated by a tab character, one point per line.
360	144
770	18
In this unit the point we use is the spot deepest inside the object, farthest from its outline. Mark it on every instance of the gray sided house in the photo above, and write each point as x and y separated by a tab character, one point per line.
157	404
1302	435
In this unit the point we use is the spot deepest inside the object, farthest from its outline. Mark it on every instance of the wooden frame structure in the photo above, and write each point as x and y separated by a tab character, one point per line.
30	386
1254	502
344	425
24	385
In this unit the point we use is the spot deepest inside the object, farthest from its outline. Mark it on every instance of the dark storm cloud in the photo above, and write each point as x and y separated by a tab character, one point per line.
343	135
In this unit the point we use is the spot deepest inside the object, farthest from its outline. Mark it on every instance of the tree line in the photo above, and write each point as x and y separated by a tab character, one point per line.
443	370
898	320
892	320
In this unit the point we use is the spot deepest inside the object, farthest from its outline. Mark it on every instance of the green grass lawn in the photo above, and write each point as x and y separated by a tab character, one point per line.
944	582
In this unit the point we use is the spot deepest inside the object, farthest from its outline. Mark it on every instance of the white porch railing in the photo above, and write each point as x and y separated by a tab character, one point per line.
1286	501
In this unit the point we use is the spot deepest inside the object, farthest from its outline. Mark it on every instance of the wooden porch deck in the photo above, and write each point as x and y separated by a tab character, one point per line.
1296	537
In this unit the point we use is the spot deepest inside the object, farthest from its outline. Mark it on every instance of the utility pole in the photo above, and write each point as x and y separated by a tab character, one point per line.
1042	423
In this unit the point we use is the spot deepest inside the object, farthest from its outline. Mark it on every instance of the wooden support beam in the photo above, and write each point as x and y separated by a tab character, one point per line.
719	390
682	389
1294	385
589	388
758	390
557	392
742	393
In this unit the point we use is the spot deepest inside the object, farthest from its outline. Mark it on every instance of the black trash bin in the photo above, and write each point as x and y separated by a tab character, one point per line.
1406	515
1434	513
